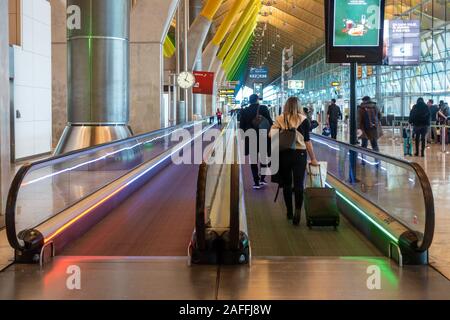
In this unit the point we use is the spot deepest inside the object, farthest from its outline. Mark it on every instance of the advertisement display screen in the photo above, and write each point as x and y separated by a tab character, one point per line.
401	43
354	31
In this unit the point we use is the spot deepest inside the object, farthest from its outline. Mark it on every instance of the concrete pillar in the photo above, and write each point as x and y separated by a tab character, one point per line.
59	67
199	30
150	22
194	10
5	170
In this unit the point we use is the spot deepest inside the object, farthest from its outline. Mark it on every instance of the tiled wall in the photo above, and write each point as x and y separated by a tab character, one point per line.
33	81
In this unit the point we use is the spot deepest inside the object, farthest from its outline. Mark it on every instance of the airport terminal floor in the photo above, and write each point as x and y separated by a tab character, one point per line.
129	131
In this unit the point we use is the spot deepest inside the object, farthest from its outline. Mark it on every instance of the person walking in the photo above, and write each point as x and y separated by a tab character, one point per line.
219	117
369	123
420	118
293	162
247	122
433	114
333	115
442	117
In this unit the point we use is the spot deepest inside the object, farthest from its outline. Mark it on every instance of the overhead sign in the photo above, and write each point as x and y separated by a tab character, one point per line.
259	73
204	82
258	89
401	43
296	84
227	92
354	30
335	84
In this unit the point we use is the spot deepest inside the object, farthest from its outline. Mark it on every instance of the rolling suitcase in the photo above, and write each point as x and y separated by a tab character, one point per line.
321	206
407	142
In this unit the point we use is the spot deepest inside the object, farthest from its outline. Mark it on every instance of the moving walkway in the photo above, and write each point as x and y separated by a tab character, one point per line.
123	198
386	204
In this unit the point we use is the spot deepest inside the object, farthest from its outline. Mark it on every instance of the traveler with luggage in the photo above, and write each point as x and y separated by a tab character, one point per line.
294	126
333	116
321	207
420	117
369	123
256	117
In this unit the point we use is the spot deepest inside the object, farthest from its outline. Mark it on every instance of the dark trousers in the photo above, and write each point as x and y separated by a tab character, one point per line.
334	130
421	136
219	120
255	166
293	166
373	143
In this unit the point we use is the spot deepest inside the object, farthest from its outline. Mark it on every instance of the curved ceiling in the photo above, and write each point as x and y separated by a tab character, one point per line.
282	23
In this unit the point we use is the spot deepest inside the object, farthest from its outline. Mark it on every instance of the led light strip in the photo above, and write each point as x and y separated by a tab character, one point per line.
87	211
382	229
103	157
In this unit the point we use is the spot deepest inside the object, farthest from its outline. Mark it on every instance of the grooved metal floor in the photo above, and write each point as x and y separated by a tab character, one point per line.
170	278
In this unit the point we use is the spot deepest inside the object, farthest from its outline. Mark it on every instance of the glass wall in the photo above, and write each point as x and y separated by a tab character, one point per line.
394	88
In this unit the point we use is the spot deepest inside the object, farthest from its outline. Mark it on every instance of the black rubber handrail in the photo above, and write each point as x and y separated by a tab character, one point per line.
200	225
423	179
234	207
13	193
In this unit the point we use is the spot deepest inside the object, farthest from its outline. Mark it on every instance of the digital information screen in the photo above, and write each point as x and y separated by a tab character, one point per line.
356	23
354	31
401	43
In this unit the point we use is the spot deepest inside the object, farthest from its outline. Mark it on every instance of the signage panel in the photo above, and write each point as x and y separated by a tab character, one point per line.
259	73
354	31
402	43
204	83
296	84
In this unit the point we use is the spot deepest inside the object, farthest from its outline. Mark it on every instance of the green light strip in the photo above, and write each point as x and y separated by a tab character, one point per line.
382	229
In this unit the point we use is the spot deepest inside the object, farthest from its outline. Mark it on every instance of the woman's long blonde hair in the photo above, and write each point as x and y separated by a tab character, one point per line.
292	108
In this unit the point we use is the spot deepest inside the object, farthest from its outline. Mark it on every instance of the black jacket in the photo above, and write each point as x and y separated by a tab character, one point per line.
249	113
420	115
247	116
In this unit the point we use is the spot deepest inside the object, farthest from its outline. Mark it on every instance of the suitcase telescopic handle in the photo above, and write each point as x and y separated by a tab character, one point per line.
320	174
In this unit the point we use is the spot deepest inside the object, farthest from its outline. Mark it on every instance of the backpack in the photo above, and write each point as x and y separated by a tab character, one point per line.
288	137
260	122
370	118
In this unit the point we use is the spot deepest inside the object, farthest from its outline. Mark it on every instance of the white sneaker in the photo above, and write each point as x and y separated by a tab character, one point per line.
257	186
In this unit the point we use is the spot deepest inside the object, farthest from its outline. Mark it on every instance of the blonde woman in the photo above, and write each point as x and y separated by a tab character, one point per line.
293	162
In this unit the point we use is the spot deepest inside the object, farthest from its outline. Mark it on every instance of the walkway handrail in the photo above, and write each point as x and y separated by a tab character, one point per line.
423	179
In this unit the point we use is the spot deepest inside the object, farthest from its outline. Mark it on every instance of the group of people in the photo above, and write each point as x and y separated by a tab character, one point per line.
422	116
293	162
